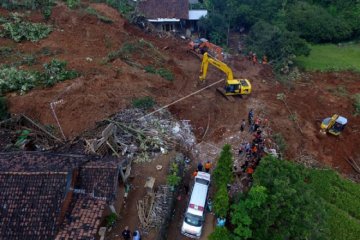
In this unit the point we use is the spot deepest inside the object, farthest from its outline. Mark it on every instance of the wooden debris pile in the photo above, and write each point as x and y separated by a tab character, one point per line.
154	208
22	133
131	135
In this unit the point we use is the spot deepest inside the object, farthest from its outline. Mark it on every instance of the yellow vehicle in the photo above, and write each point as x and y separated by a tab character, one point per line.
334	125
233	86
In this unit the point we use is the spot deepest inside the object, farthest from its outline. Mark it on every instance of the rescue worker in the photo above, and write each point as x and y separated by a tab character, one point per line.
264	60
195	173
126	233
207	166
200	167
242	126
254	59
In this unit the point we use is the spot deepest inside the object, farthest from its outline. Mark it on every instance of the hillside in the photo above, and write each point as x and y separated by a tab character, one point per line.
116	61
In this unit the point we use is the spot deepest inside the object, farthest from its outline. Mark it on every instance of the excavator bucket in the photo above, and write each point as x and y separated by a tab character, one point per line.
223	92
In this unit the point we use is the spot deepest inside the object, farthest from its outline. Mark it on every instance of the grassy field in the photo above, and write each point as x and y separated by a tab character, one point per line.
331	57
341	202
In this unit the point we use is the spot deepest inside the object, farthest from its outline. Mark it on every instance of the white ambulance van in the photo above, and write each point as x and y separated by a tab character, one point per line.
195	213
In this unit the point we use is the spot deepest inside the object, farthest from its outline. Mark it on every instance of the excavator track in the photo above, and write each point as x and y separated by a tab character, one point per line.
222	91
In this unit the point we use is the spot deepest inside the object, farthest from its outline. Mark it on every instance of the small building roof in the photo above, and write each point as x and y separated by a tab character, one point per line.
197	14
154	9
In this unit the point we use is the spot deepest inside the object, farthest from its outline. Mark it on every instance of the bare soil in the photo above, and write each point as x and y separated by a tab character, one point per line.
105	88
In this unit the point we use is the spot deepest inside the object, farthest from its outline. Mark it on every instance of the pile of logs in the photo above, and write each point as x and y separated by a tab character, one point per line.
154	208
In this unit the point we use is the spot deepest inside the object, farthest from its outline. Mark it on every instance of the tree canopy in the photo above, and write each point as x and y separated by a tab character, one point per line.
280	205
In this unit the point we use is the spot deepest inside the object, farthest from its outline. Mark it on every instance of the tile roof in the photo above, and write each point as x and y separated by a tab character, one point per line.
153	9
40	162
84	219
34	189
99	181
30	204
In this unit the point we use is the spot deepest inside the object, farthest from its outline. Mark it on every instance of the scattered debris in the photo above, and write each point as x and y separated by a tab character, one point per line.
134	136
154	208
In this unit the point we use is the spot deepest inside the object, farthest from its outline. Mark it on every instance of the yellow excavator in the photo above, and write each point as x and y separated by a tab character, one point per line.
233	86
333	125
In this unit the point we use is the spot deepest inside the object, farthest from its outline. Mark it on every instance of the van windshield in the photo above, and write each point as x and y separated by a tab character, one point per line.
202	181
193	220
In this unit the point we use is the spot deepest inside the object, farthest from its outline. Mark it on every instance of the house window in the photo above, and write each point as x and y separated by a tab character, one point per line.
167	27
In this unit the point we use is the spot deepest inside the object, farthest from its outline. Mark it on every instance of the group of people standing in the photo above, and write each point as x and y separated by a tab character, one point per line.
253	150
200	167
252	57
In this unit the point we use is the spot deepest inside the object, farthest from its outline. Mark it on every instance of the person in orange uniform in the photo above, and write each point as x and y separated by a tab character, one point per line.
207	166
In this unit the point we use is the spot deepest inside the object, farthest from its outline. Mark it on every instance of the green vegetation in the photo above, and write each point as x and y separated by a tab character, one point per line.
72	4
342	204
55	71
125	7
356	103
45	6
111	219
173	179
101	17
3	108
222	176
280	205
13	79
220	233
280	29
163	72
280	142
331	57
144	102
18	29
289	201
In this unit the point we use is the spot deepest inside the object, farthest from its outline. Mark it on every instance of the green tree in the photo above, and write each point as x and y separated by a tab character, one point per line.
223	172
282	205
280	45
242	211
316	24
221	202
220	233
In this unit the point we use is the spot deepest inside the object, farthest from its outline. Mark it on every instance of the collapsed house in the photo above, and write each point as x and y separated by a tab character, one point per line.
55	196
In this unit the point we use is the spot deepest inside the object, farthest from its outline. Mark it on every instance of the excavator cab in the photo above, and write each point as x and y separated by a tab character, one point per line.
334	125
238	87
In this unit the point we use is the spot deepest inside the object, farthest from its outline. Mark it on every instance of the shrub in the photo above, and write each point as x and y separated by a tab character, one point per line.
12	79
150	69
165	73
73	3
55	72
173	180
3	108
357	103
17	29
110	220
280	142
143	103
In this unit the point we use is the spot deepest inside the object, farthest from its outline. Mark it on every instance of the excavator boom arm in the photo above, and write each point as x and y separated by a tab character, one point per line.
216	63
